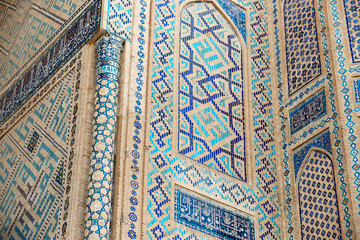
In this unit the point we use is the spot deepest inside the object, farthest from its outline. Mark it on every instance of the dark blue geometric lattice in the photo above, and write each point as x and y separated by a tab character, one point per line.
161	128
211	99
318	201
321	141
302	47
352	12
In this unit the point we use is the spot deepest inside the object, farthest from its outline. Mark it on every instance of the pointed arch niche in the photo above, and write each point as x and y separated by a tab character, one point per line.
210	84
319	213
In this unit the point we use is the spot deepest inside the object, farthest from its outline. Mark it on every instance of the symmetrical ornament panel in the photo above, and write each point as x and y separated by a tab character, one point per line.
352	12
211	91
164	167
301	42
328	17
307	112
35	166
320	141
209	218
318	199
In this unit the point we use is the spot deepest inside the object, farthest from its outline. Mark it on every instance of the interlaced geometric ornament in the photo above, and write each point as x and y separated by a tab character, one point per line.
352	12
211	126
318	202
302	47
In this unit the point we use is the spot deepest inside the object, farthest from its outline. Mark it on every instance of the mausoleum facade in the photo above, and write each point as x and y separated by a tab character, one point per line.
179	119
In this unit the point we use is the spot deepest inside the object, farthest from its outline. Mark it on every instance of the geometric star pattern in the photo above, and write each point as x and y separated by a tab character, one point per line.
211	96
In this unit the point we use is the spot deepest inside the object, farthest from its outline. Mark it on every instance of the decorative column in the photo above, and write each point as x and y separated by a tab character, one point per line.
98	216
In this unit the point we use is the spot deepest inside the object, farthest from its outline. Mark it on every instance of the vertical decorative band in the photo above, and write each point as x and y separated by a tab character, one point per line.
97	222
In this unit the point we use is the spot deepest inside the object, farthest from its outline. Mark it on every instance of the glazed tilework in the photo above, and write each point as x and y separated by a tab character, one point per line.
318	200
162	161
204	180
98	216
28	25
302	47
321	141
211	219
211	97
135	182
307	112
119	18
357	90
34	155
348	111
332	122
237	15
79	32
352	12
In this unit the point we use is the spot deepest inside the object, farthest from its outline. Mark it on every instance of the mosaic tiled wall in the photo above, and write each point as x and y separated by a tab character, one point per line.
35	77
211	95
35	161
119	18
318	199
349	110
206	217
166	166
302	47
307	112
46	135
352	13
314	135
321	141
25	26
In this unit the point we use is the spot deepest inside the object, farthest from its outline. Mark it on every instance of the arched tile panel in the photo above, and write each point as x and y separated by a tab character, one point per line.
317	198
211	128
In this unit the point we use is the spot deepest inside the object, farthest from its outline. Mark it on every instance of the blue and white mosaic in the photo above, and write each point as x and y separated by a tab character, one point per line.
321	141
98	216
237	15
35	157
162	163
352	12
119	18
307	112
78	33
357	90
136	129
318	200
211	96
302	47
332	111
211	219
